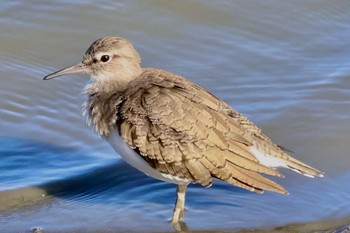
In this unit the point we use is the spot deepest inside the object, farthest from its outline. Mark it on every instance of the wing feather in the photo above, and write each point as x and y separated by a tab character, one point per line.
189	133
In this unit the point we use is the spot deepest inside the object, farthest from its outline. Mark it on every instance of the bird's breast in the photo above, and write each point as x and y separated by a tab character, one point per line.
135	159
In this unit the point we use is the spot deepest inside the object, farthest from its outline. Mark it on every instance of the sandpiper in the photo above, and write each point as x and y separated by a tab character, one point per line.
172	129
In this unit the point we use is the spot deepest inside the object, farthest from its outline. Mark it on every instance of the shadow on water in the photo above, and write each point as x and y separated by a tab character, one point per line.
58	173
66	172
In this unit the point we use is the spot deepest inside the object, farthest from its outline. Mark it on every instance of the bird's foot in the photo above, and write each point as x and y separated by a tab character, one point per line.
179	226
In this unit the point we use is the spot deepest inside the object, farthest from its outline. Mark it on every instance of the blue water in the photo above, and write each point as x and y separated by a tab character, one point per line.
283	64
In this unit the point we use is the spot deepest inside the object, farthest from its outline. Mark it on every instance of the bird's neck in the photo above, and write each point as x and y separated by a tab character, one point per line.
105	95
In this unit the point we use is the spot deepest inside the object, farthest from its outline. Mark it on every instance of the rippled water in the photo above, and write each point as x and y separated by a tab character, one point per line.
283	64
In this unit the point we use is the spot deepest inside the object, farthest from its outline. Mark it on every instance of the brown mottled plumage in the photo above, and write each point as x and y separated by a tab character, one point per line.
182	131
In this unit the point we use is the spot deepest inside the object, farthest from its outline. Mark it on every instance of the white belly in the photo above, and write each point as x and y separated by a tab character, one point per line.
136	161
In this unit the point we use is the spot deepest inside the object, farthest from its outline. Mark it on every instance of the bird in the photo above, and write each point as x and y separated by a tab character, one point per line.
172	129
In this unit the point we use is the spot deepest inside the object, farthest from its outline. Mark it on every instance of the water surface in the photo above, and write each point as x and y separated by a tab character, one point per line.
283	64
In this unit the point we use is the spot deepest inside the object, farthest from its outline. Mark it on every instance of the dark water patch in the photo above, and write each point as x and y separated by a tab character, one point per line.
28	162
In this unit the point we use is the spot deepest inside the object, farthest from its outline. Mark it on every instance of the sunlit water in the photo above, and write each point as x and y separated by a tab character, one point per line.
284	64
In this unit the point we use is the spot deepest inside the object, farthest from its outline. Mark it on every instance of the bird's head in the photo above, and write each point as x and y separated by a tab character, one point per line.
107	59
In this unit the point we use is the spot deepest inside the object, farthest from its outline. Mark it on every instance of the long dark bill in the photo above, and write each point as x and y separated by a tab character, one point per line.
78	68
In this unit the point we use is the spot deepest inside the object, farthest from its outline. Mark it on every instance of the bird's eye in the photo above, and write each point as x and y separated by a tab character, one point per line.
105	58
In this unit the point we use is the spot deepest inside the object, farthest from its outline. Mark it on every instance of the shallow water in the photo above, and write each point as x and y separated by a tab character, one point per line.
283	64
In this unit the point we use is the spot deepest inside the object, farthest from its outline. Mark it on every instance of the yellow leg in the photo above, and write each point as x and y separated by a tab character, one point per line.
179	209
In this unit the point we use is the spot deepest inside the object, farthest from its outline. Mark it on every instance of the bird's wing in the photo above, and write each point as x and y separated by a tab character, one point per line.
182	130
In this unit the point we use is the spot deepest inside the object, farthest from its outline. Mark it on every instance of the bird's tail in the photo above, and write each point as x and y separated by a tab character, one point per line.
286	161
